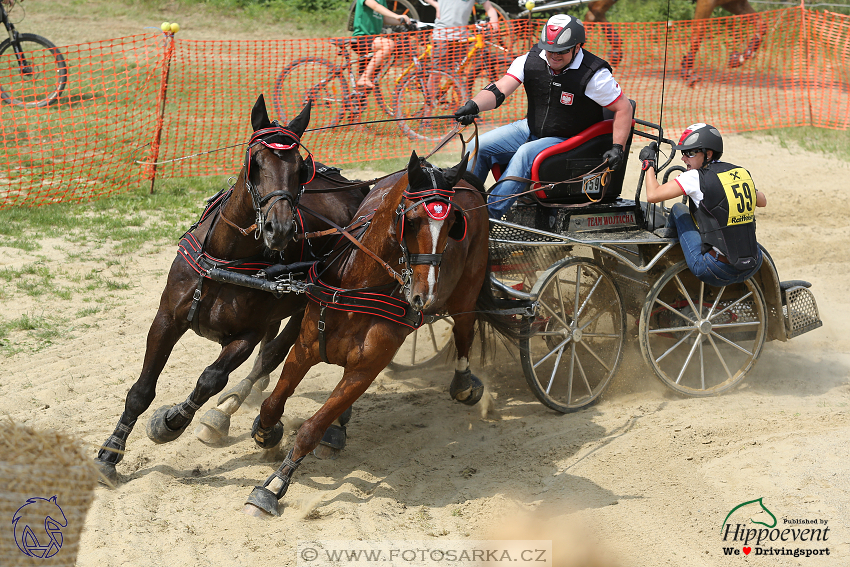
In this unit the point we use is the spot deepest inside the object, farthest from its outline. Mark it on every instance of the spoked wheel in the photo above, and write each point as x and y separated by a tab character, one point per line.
575	342
426	345
425	94
34	73
701	340
316	79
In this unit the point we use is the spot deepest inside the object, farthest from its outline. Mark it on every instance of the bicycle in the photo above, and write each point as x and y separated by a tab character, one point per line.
426	91
40	66
333	87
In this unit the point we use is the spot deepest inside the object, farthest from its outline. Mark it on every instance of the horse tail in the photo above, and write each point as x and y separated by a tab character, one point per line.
488	308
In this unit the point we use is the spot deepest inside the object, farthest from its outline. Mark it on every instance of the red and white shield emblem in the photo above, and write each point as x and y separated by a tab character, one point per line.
437	210
566	98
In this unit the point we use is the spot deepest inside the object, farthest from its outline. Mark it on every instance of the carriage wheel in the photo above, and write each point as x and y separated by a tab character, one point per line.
575	342
311	78
426	345
428	93
701	340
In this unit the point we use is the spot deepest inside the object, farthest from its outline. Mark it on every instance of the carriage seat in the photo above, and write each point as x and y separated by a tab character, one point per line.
576	157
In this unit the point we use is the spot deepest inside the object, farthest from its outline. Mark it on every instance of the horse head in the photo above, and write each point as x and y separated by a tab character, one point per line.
427	219
275	174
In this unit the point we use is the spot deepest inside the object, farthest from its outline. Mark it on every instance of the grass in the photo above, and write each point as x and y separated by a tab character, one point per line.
104	233
830	142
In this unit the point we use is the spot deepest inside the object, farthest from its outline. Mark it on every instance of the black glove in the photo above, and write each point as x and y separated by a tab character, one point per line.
614	156
649	157
467	113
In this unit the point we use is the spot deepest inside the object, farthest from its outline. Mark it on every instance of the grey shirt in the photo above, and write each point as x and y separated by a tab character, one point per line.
453	13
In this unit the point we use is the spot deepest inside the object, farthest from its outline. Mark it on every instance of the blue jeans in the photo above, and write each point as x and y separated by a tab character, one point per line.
512	144
705	267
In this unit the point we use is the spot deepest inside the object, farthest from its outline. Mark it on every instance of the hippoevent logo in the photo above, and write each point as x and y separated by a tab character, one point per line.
751	528
38	527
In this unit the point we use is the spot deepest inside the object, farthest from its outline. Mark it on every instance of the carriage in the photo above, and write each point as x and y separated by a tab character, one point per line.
588	272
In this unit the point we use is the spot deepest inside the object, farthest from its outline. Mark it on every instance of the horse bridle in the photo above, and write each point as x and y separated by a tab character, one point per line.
259	138
423	197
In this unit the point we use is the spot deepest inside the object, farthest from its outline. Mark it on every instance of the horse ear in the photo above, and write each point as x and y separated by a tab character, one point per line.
455	174
299	123
458	229
259	114
415	175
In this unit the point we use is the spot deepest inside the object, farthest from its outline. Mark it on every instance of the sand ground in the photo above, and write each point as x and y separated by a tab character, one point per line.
647	474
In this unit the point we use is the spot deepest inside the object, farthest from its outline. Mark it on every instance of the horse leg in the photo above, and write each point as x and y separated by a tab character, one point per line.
215	423
162	336
169	422
739	8
265	498
596	13
466	388
702	11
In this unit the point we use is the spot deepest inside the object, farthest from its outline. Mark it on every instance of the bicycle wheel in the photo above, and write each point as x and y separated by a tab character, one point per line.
428	93
311	78
34	77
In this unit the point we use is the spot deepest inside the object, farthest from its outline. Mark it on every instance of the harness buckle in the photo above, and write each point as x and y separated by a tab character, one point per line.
197	295
333	299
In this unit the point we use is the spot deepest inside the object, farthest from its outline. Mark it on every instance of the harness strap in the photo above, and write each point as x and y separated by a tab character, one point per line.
323	351
429	259
392	273
196	298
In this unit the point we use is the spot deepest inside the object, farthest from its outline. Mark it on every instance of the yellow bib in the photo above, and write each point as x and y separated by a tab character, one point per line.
740	195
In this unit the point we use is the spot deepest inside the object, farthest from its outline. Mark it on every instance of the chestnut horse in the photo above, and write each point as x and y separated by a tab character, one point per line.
361	309
248	229
596	13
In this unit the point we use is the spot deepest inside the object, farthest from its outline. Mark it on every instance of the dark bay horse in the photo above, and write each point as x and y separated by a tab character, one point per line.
596	13
248	229
361	309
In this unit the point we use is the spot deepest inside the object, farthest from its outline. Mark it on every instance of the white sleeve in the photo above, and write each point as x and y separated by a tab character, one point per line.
517	68
602	88
689	182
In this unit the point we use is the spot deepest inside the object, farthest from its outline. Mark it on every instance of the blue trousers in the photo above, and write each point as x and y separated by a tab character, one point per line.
705	267
512	144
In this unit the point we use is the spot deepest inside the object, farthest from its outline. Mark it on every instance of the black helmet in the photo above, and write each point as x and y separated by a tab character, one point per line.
561	33
703	137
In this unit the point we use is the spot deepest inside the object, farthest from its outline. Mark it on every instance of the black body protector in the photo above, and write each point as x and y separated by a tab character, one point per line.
557	105
726	215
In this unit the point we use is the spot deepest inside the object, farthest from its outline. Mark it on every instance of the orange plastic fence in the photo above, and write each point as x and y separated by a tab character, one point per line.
156	98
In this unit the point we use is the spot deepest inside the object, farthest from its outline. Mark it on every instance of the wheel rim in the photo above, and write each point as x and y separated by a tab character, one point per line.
425	345
702	340
39	81
428	94
576	338
316	80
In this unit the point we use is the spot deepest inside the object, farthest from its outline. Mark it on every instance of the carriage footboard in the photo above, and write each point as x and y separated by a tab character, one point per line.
799	308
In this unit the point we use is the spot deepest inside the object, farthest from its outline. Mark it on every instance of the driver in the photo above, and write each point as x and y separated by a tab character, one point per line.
717	231
566	87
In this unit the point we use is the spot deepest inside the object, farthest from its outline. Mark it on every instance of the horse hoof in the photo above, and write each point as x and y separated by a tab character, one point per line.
266	439
108	475
214	427
466	388
158	430
326	453
262	500
332	443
